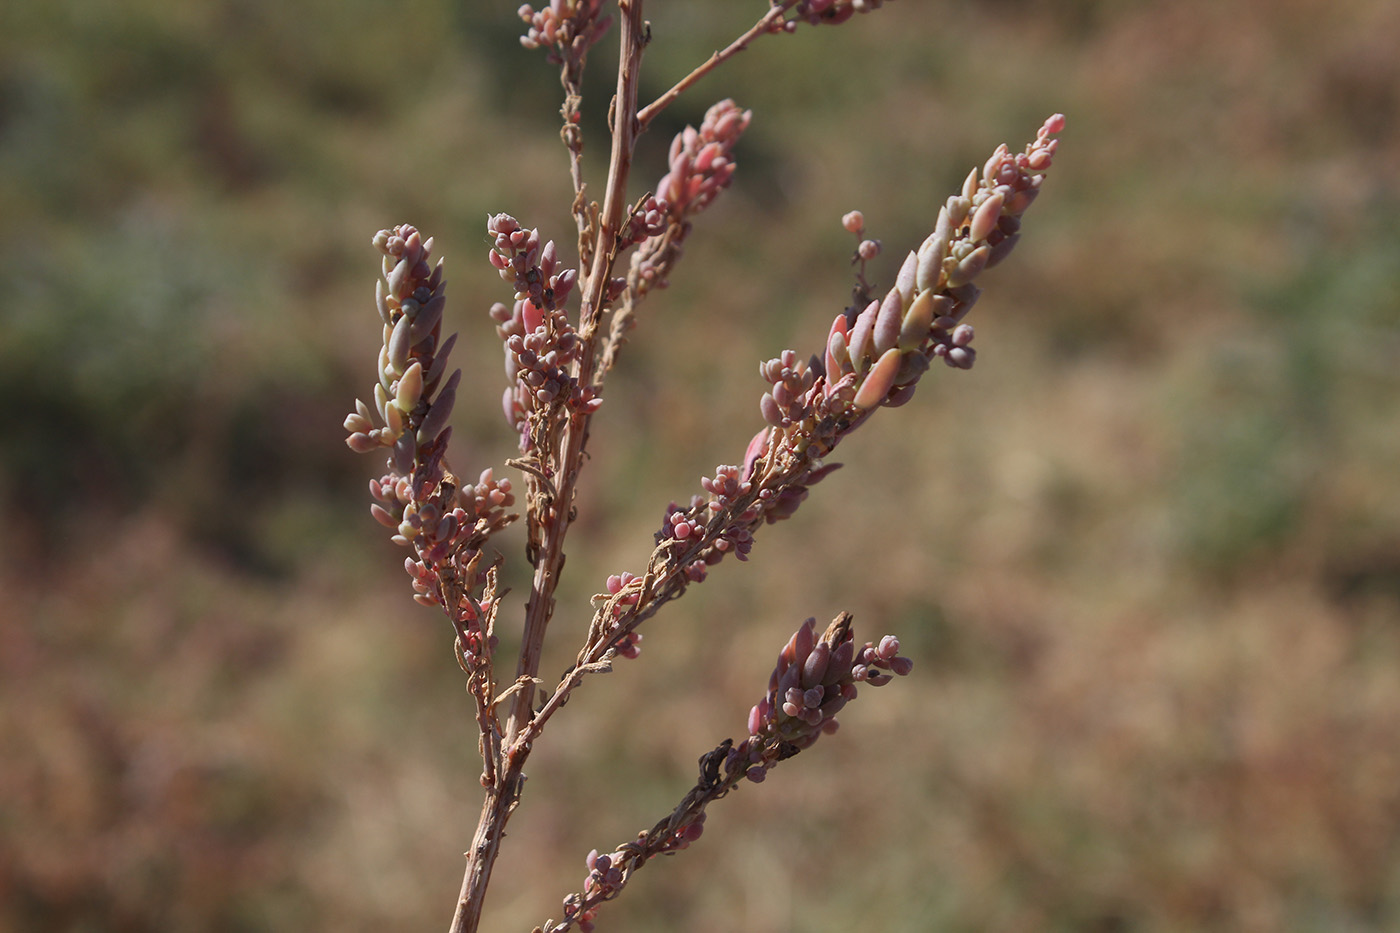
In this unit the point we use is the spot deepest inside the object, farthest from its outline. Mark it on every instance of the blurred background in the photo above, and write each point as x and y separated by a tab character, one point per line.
1146	556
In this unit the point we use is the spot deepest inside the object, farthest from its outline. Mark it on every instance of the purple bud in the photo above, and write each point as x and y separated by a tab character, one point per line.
439	366
401	455
961	357
1002	249
436	418
814	669
803	641
770	410
790	679
564	284
756	719
840	664
901	394
427	318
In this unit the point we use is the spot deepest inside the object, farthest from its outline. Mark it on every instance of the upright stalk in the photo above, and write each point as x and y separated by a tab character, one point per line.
502	795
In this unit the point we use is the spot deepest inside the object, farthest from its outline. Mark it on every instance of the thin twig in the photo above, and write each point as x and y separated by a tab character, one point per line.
764	25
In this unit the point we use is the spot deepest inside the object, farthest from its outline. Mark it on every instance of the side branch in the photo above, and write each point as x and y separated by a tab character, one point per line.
770	20
569	457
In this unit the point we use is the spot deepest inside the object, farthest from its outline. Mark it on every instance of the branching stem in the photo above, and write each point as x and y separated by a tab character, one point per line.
770	19
565	464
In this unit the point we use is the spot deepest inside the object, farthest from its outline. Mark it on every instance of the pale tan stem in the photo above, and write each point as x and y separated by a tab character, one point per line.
772	17
501	798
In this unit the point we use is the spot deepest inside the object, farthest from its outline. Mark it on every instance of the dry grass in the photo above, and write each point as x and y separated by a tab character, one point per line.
1144	555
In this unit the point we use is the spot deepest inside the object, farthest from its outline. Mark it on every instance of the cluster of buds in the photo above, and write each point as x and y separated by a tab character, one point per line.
410	298
436	527
608	874
417	497
701	166
873	358
827	12
564	27
719	516
531	269
541	345
813	680
700	160
629	645
650	218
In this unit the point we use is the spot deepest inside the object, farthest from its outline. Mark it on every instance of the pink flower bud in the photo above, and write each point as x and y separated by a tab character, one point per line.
961	357
904	281
969	187
885	333
970	266
984	221
931	255
361	443
913	330
878	382
854	222
356	423
397	277
410	388
858	343
380	301
772	414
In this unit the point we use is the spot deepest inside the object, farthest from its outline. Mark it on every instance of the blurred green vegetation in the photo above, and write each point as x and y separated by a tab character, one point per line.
1146	555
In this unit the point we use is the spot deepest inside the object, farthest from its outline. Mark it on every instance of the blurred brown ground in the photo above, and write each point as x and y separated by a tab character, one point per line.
1146	555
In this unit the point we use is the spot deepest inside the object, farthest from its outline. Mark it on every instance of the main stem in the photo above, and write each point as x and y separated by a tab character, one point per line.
502	796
